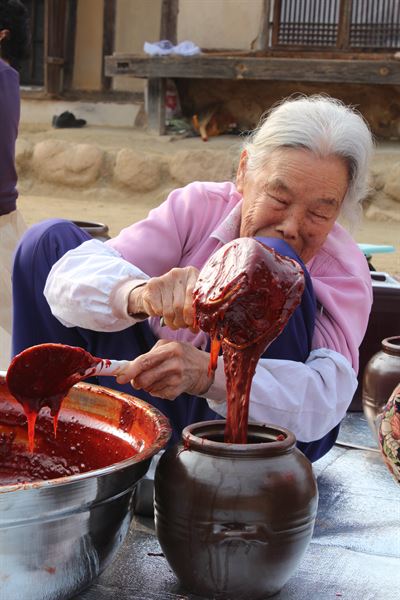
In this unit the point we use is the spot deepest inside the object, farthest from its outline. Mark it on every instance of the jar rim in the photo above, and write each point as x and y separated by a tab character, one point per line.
392	344
197	437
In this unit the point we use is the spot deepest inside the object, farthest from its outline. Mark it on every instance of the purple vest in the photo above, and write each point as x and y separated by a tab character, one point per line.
9	119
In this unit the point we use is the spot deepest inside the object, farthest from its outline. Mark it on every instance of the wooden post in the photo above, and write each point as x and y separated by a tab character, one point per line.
343	36
109	11
156	86
70	44
169	20
156	104
262	40
276	23
54	46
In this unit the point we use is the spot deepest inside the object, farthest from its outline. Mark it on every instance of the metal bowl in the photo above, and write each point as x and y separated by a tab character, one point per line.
56	535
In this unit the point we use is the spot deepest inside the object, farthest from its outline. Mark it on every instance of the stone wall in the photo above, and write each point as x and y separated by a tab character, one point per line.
64	168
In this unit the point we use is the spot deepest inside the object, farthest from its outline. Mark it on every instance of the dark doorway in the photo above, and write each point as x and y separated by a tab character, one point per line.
52	29
32	69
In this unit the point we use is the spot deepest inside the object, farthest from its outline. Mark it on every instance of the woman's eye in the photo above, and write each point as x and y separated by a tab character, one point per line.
320	217
279	201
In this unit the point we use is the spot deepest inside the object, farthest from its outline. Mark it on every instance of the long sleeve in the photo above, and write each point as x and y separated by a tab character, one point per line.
309	399
89	286
95	278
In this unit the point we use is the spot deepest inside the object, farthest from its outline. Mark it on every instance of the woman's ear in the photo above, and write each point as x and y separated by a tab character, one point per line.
4	34
241	172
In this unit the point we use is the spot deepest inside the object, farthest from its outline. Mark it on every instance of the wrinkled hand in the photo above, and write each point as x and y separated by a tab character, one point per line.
169	296
169	369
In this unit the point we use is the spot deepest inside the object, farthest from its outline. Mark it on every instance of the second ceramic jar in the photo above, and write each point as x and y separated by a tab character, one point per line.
234	520
381	375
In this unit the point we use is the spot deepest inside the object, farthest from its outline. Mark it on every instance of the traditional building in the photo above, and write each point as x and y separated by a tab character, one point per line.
253	53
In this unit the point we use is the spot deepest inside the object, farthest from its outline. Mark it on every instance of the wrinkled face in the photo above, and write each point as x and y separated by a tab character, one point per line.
296	197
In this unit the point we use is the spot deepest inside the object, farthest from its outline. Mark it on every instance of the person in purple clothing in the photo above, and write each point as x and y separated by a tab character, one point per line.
13	45
306	165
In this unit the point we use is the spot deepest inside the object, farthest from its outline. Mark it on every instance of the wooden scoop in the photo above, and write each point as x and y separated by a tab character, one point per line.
42	376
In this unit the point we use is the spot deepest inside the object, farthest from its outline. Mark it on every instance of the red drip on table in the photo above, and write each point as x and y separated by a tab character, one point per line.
244	297
83	443
42	375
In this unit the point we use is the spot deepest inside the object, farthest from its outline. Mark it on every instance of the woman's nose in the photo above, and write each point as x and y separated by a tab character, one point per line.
289	227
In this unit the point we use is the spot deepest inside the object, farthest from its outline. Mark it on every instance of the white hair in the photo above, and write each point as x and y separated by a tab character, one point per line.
325	126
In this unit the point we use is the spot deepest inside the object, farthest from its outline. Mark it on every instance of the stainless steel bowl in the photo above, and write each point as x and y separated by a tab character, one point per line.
57	535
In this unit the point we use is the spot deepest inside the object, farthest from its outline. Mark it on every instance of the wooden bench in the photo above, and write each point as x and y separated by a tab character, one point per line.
157	69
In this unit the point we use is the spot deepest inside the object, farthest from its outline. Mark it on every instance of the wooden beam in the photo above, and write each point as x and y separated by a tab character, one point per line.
234	67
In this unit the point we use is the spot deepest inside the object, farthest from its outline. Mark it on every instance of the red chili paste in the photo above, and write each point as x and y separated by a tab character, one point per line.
42	375
245	295
83	443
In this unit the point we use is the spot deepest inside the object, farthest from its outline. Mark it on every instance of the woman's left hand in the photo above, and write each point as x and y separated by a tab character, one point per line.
169	369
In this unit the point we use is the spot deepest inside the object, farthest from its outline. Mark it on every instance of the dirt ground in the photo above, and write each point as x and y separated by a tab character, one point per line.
118	213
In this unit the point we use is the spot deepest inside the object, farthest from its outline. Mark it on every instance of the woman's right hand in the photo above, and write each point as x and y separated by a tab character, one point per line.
169	296
169	369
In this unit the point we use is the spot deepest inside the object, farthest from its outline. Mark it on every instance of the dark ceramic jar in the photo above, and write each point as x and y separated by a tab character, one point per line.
389	433
381	375
234	520
98	231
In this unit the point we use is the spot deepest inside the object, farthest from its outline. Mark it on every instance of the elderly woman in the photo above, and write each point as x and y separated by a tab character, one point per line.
304	166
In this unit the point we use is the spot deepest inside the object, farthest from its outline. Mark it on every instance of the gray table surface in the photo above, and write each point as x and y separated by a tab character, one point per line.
354	553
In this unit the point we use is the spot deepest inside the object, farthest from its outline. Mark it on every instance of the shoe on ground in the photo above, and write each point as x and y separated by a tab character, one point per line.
67	120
